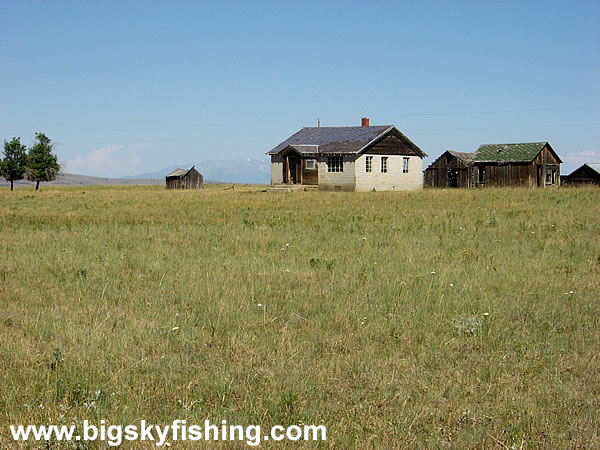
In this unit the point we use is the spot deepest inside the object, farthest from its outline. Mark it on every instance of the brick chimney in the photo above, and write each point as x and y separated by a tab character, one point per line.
365	122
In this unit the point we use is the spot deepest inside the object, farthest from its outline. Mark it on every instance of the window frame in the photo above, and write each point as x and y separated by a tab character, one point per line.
369	164
335	163
384	164
405	165
311	161
481	175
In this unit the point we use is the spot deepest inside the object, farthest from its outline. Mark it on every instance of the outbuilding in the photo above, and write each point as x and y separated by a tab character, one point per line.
530	164
589	173
184	179
451	169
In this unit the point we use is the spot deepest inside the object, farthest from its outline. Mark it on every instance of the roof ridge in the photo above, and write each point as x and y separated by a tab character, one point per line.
354	126
518	143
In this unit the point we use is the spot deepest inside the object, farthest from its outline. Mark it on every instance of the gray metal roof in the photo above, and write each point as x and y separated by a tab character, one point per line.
333	139
177	173
463	156
180	172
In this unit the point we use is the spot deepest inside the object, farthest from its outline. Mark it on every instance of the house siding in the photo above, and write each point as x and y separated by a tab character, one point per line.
337	181
276	170
394	179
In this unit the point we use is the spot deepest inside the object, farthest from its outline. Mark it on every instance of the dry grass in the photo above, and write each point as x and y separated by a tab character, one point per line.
152	298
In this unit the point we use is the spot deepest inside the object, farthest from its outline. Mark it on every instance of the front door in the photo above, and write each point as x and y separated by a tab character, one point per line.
293	165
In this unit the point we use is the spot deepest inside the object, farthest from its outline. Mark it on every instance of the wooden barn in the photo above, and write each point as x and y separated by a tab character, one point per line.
182	179
589	173
533	164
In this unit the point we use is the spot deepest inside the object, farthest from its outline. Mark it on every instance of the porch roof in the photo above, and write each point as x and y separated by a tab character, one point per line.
304	149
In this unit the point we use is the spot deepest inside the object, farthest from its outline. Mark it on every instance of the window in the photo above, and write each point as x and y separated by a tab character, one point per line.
405	165
369	164
384	160
310	164
554	177
481	177
335	164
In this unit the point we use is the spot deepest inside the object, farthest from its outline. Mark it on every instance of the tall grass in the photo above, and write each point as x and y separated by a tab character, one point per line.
422	319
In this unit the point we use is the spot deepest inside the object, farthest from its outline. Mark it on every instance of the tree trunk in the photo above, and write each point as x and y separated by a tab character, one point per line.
37	185
11	185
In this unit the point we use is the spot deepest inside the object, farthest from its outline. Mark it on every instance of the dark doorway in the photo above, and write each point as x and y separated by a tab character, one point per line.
291	169
293	164
452	178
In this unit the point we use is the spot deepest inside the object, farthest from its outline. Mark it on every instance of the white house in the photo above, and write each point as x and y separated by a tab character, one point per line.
361	158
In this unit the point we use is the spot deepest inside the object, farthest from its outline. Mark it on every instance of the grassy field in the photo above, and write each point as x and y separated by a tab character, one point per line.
455	318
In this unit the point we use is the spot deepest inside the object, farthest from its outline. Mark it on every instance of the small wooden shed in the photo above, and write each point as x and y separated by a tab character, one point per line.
182	179
451	169
589	173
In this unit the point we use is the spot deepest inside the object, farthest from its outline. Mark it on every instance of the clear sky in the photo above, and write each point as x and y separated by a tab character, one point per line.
125	87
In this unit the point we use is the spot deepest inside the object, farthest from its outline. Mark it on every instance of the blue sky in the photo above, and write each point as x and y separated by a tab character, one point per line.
126	87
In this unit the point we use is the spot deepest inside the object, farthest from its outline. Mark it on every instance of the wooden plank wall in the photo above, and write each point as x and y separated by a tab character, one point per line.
436	175
504	175
193	180
391	145
310	176
584	175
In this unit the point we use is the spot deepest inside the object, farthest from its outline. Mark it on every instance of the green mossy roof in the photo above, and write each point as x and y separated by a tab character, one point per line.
509	152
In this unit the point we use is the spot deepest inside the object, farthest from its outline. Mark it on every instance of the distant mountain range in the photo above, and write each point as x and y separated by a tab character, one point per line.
250	171
69	179
246	171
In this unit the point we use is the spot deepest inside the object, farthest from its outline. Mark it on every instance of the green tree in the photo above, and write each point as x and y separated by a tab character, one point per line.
42	164
12	166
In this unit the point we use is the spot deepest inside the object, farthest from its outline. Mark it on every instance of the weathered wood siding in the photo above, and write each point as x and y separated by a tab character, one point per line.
391	145
583	175
436	175
537	173
191	180
310	176
504	175
304	175
546	162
